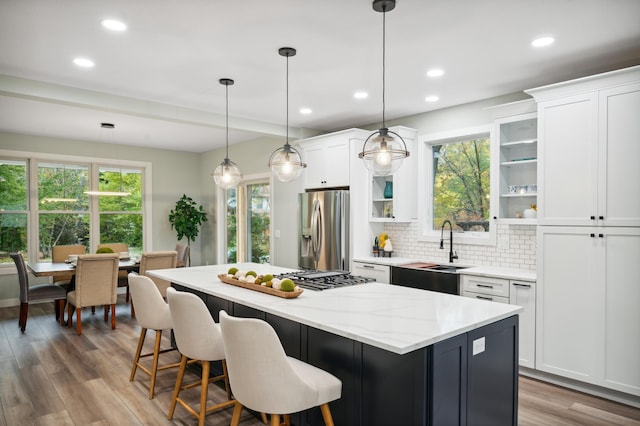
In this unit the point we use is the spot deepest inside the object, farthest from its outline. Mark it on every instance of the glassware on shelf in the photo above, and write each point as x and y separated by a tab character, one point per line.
388	189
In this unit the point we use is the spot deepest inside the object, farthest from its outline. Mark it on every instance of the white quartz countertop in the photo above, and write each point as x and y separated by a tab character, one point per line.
389	261
394	318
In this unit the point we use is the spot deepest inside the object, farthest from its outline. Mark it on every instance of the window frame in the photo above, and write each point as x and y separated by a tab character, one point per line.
10	156
33	160
425	184
221	213
94	185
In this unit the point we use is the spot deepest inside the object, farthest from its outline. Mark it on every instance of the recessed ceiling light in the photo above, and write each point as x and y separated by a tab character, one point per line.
435	72
361	95
84	62
432	98
542	41
305	111
114	25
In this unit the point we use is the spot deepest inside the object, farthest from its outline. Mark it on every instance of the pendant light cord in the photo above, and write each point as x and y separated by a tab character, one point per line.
287	91
227	122
384	15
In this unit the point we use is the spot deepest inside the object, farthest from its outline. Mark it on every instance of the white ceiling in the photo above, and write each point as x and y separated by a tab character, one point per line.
158	81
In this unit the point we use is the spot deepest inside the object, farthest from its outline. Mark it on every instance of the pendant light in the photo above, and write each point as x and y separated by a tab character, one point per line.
110	128
227	174
384	150
286	162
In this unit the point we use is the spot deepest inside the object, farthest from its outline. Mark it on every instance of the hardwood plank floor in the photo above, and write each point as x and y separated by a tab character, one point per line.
51	376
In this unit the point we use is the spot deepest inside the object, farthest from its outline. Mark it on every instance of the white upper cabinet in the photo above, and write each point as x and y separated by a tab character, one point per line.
619	135
515	145
327	158
588	132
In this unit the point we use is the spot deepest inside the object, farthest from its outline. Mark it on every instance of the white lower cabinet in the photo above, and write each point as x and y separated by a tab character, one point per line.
381	273
515	292
523	293
588	320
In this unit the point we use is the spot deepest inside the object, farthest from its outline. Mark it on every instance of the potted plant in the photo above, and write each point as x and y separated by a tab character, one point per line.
186	219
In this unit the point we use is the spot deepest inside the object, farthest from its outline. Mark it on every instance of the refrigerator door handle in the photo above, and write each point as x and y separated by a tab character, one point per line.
316	230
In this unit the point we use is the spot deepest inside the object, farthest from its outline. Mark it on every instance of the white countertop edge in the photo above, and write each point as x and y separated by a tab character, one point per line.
506	273
387	261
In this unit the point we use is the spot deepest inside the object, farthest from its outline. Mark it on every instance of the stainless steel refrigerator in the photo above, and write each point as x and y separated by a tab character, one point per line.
323	234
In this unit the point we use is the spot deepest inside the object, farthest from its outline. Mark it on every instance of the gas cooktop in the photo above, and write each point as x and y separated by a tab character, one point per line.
324	280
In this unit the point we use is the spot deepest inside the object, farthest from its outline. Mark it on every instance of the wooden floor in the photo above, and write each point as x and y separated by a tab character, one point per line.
51	376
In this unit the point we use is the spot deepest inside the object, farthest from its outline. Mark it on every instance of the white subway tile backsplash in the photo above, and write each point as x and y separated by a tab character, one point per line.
520	254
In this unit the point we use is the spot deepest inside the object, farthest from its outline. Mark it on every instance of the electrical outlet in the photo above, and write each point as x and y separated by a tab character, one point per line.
478	346
277	233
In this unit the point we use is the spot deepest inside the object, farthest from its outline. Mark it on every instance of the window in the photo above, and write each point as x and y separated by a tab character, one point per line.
44	203
461	191
13	208
458	184
121	216
248	217
63	206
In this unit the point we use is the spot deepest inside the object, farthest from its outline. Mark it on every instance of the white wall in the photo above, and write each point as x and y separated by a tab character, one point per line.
252	158
174	173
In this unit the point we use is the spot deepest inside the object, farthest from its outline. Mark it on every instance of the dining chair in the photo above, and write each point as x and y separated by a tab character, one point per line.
156	260
37	293
123	276
152	314
198	338
183	251
60	254
263	378
96	284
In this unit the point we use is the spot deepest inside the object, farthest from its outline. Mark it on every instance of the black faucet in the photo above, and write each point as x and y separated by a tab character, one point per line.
452	254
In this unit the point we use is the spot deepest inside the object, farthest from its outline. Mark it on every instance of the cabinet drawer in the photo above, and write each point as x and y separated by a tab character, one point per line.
486	286
381	273
499	299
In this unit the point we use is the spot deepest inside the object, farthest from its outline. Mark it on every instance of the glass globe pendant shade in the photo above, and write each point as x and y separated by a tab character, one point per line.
286	163
227	174
383	152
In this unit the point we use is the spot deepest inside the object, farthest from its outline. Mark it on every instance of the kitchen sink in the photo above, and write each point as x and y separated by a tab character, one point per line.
448	268
434	266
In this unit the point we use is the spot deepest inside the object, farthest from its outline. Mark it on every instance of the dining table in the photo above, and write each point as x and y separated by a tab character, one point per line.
56	269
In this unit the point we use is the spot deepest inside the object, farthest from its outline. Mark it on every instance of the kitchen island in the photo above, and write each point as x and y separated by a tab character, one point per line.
405	356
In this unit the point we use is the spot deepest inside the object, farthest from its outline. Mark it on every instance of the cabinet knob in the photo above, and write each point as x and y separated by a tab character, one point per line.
593	218
601	235
601	217
592	235
495	218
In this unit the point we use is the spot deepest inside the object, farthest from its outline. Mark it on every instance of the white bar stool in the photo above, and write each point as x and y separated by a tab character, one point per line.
198	338
152	314
263	378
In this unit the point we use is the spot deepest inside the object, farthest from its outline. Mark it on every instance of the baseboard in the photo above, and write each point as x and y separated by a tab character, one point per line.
7	303
613	395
